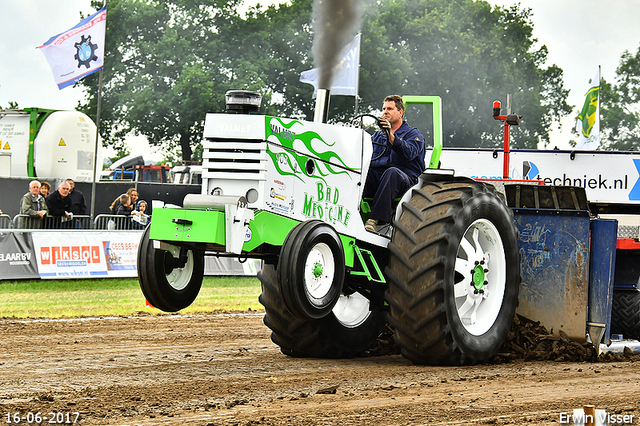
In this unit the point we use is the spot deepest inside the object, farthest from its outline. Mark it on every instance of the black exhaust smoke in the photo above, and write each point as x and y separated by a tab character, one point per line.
335	24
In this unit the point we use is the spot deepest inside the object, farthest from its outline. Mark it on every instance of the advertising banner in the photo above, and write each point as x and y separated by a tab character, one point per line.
17	256
611	177
78	254
88	254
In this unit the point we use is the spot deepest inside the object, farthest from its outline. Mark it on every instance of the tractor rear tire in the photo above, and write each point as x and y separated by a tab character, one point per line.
347	331
165	286
625	314
454	273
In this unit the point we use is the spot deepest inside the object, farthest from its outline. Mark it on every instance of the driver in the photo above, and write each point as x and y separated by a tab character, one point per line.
398	167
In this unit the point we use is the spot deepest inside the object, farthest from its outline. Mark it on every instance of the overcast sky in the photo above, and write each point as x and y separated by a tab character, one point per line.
580	35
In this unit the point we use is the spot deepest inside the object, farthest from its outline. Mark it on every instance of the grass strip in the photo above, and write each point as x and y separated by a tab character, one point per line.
110	297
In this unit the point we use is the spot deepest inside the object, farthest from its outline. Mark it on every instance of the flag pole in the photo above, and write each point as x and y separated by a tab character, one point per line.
95	154
358	74
97	143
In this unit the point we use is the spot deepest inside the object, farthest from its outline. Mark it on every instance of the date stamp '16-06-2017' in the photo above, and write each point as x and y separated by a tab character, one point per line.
38	418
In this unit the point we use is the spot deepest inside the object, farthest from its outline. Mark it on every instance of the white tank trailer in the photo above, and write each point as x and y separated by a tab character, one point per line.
47	144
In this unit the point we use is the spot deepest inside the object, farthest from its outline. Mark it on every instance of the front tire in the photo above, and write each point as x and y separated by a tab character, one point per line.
348	330
454	274
166	285
311	269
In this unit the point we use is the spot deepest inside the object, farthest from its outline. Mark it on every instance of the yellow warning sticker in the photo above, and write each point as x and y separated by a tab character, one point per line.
62	142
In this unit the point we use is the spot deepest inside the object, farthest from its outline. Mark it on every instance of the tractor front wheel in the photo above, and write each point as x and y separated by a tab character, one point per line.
170	279
311	269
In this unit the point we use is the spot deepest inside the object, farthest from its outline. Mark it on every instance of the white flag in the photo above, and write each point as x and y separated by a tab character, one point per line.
588	126
78	52
345	81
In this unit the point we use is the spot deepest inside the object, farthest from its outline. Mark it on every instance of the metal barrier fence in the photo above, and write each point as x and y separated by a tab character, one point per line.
102	221
5	221
110	221
23	221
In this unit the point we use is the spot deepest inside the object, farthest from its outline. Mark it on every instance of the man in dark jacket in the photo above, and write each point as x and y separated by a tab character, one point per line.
78	204
59	204
396	170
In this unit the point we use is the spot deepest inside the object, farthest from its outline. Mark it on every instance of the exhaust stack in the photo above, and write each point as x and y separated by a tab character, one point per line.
322	106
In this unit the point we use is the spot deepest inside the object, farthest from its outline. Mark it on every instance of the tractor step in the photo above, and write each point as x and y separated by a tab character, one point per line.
366	258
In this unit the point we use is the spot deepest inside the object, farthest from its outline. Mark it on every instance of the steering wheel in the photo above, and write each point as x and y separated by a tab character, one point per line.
386	145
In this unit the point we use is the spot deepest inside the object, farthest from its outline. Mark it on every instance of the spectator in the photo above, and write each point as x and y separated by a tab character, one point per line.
141	206
78	204
45	188
133	196
141	219
34	205
124	209
59	204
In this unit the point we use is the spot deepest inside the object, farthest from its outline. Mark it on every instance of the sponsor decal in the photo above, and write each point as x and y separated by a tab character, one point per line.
69	256
282	133
274	194
326	205
120	255
16	258
281	185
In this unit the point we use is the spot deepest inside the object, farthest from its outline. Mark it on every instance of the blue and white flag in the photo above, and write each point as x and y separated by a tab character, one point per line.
78	52
345	73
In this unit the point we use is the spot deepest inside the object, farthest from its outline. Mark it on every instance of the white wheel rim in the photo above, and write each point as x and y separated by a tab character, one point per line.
179	278
481	271
319	271
352	310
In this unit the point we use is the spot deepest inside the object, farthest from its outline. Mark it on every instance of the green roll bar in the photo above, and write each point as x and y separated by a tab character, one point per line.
436	102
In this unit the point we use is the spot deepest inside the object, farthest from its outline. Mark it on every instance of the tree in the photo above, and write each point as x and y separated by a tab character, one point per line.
12	105
169	63
469	54
268	51
619	116
162	71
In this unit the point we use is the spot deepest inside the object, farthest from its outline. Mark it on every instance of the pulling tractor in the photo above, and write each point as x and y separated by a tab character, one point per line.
289	192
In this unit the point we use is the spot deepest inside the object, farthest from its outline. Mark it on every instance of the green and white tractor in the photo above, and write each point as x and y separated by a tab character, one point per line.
290	192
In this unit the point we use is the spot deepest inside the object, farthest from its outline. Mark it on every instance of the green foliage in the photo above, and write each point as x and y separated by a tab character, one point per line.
12	105
163	70
268	49
619	115
168	63
469	54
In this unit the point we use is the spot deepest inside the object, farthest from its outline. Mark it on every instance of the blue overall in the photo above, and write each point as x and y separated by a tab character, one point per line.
396	171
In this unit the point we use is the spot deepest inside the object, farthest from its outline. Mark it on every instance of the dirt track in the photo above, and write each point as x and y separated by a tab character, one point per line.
224	370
